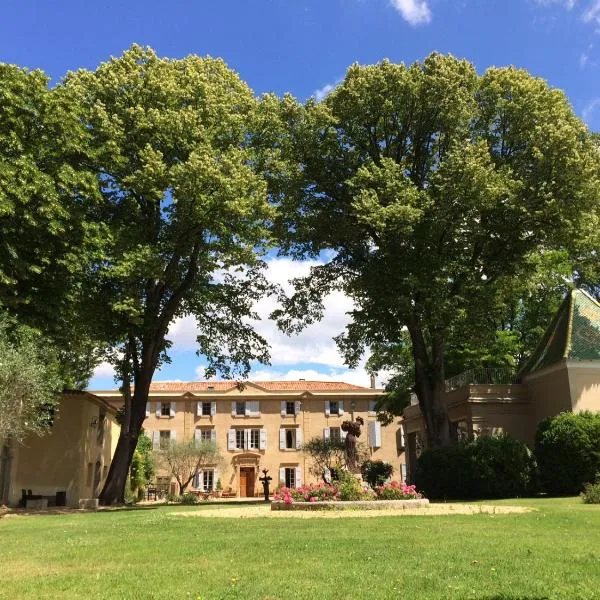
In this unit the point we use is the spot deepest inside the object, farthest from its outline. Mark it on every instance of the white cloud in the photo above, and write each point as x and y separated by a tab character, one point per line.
357	377
313	345
104	369
589	110
592	13
323	92
568	4
415	12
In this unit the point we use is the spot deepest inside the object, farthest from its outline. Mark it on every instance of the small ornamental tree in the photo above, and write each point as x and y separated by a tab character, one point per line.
567	448
185	459
325	454
376	472
328	453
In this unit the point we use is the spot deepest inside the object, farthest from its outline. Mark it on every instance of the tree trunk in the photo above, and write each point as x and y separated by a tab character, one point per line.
114	486
430	386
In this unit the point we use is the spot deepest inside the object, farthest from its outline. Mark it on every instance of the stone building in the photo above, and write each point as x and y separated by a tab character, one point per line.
66	466
262	425
563	374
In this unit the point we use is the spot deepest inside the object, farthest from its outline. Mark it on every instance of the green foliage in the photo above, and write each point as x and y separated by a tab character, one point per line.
567	448
433	187
189	498
325	453
51	233
376	472
186	208
184	459
497	466
30	382
349	487
173	498
591	492
46	191
143	467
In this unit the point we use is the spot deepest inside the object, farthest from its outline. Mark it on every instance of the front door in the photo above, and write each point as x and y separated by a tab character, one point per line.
247	475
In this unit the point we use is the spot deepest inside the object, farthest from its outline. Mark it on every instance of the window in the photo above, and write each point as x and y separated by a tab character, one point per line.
165	438
240	435
334	407
290	439
240	409
290	477
246	439
206	409
335	434
290	408
208	480
254	439
403	472
165	409
205	435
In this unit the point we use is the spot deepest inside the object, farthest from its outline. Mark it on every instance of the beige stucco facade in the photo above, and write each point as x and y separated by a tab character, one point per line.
266	429
73	457
516	409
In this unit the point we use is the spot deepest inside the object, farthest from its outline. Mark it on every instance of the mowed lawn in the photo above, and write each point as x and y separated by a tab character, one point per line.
553	552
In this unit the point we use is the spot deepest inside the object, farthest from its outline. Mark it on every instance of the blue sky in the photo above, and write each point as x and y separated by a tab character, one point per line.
305	46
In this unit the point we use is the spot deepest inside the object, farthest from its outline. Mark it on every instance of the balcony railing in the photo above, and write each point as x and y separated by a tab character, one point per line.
482	376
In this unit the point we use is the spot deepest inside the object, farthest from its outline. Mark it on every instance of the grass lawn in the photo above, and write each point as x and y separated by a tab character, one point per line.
553	552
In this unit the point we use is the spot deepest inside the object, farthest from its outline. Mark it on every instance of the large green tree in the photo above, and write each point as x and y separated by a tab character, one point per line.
186	214
47	191
434	187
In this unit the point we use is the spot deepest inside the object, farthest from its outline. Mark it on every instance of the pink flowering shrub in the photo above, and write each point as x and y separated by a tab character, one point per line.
397	491
314	492
323	492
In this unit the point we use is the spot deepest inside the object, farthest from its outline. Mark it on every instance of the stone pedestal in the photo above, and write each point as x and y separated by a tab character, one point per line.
37	504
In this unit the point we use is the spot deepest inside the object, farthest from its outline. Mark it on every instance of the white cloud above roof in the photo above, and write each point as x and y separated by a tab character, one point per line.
414	12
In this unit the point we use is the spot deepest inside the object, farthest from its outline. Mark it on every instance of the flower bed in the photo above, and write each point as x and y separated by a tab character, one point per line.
340	505
327	496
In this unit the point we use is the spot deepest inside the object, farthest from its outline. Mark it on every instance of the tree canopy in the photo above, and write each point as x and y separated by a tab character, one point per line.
186	214
434	187
186	458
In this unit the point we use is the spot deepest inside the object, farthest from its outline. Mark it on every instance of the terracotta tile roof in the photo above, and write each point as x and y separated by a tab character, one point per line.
275	386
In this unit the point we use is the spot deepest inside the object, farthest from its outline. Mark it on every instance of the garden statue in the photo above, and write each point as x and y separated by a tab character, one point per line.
265	480
352	429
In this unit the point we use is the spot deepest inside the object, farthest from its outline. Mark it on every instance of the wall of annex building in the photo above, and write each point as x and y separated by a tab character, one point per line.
549	394
584	385
72	457
269	449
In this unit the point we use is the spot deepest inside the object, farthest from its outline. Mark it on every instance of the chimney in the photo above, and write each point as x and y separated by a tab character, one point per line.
372	381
